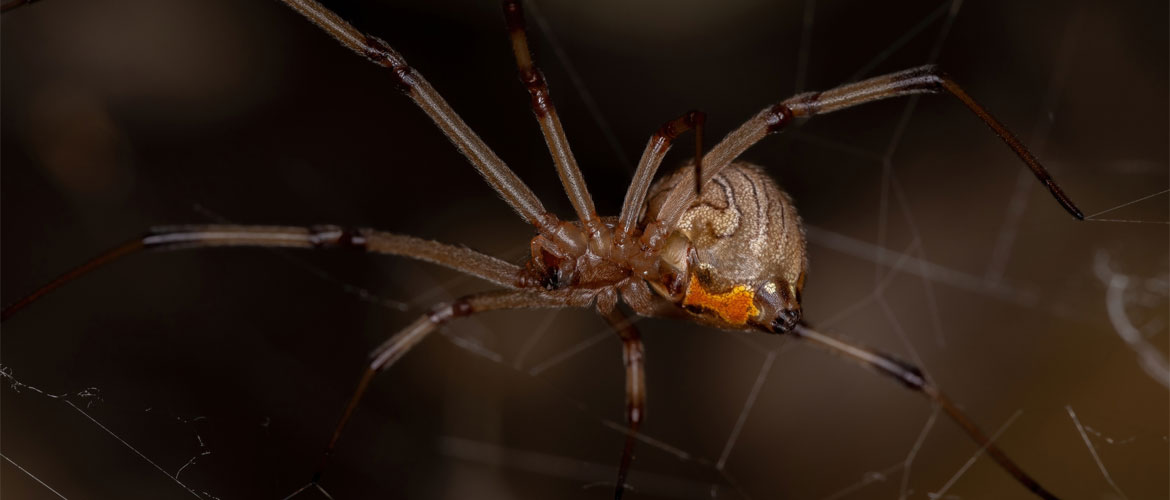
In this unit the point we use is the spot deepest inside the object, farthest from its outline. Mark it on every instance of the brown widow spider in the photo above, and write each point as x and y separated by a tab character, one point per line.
568	261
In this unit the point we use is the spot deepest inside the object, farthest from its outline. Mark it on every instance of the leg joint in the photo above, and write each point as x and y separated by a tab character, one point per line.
778	117
378	51
443	313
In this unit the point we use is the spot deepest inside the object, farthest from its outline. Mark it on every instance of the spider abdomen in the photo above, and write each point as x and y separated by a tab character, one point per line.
745	254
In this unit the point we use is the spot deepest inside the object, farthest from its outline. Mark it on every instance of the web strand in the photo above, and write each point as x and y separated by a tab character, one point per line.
33	476
971	461
1093	452
1128	203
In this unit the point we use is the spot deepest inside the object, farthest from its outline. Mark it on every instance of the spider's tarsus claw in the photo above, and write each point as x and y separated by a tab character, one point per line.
1072	209
1063	199
619	491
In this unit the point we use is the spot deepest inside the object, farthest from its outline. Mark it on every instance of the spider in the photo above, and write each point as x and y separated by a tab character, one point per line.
658	264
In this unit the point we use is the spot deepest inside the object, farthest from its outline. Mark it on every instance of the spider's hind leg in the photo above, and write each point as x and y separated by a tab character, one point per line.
912	378
390	351
634	359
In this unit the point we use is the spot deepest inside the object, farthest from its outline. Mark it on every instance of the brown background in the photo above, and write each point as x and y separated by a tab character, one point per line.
127	114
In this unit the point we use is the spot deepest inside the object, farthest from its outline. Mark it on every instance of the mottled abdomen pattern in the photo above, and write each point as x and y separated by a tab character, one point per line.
744	231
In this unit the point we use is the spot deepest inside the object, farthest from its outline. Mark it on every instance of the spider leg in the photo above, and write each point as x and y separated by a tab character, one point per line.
550	121
390	351
489	165
921	80
634	359
913	378
648	165
459	258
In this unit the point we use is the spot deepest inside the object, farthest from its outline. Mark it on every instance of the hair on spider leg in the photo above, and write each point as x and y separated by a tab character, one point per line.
667	250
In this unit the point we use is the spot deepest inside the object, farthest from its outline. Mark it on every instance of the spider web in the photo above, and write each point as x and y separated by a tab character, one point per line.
219	374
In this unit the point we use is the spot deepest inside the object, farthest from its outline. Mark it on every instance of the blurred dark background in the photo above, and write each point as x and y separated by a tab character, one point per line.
126	114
